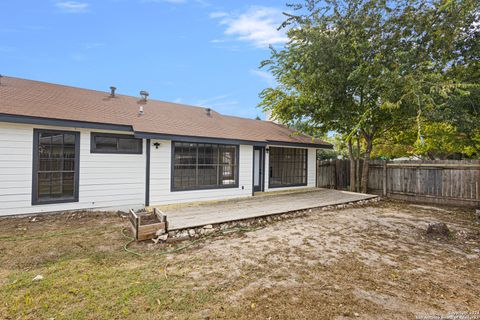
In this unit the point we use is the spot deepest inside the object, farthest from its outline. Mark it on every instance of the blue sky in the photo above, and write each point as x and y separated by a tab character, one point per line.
200	52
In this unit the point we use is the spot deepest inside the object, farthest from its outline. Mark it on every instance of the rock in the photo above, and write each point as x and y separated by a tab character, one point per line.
38	278
191	233
163	237
208	226
356	314
208	231
33	219
182	234
477	213
438	229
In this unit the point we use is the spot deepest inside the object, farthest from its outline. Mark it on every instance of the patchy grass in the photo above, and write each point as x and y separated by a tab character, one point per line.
363	263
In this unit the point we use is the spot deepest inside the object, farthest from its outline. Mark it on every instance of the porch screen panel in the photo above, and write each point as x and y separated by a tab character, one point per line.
288	167
204	166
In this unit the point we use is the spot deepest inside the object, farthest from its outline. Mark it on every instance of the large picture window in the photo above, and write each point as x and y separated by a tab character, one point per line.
115	143
204	166
288	167
55	166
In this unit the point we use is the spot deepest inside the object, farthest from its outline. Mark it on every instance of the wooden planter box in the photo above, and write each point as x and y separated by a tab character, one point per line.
146	225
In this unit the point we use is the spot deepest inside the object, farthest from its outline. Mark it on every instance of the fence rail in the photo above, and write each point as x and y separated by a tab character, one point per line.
450	182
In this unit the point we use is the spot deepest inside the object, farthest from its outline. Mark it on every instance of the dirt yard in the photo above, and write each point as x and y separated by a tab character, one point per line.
372	262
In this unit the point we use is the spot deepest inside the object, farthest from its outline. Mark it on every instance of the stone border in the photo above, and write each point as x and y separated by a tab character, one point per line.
197	232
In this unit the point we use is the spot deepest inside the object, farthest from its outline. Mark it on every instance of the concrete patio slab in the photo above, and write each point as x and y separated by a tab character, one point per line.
192	216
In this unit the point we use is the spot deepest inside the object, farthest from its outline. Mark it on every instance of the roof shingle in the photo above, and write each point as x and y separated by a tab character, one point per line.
39	99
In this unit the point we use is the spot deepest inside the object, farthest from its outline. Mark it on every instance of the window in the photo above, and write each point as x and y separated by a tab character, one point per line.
288	167
55	166
204	166
115	143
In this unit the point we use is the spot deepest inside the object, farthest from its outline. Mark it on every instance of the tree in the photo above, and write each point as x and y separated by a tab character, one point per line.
364	68
331	73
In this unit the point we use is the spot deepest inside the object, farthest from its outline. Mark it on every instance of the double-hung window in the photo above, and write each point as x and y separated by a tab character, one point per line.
55	166
204	166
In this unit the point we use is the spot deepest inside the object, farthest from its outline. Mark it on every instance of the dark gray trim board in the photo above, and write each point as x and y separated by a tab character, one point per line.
198	139
146	135
195	139
302	145
63	123
147	174
35	162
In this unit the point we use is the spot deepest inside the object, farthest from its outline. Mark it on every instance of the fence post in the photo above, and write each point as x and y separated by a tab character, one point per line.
334	174
384	183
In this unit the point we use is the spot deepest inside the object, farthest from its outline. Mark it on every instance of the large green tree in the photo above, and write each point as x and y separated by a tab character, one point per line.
364	68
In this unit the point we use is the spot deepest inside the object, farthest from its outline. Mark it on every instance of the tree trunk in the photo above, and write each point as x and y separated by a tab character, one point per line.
366	162
351	157
358	164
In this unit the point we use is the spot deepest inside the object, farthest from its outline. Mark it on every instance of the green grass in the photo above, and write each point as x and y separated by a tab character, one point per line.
102	288
269	273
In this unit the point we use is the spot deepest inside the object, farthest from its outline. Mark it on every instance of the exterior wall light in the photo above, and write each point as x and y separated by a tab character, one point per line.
156	144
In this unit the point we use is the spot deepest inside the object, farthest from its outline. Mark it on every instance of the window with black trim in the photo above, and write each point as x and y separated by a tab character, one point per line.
204	166
55	166
115	143
288	167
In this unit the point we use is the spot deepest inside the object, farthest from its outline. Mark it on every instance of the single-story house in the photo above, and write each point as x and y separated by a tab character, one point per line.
65	148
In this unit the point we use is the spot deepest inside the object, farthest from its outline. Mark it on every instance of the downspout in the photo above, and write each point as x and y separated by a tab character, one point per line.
147	175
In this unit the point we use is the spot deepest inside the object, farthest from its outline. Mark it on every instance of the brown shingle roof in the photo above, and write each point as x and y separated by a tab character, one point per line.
39	99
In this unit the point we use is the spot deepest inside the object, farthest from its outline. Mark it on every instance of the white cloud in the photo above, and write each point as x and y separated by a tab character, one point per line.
217	14
209	101
265	76
201	3
175	1
167	1
257	25
72	6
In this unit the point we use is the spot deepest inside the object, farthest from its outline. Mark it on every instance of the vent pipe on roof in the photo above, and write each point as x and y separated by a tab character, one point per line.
1	79
140	111
144	95
208	111
112	91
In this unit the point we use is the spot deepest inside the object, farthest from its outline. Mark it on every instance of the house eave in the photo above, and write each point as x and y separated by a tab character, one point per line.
149	135
63	123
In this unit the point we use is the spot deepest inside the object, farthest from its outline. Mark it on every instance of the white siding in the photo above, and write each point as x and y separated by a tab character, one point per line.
311	171
112	181
160	166
107	181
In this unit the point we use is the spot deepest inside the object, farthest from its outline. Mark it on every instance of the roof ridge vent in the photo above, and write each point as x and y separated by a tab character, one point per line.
144	94
112	91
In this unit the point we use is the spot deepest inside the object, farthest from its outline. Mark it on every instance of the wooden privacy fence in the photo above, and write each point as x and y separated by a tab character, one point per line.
450	182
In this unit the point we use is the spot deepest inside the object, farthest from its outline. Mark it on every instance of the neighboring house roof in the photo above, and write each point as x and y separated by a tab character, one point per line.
26	98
